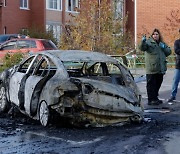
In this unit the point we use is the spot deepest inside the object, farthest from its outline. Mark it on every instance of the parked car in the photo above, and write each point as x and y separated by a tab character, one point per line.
6	37
25	45
88	88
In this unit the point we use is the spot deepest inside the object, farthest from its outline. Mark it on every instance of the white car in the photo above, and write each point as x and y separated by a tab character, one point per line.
84	87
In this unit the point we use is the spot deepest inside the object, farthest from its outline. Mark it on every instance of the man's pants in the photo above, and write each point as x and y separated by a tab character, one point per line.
175	84
154	82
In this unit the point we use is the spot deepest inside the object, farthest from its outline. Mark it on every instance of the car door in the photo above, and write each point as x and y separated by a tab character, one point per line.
18	78
34	84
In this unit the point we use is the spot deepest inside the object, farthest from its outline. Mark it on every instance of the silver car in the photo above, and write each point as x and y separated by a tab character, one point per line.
88	88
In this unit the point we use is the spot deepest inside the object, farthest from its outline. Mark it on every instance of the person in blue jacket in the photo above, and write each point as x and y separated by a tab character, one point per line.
156	51
176	78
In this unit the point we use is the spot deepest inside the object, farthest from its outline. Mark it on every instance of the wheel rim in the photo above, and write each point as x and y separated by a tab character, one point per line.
2	98
44	113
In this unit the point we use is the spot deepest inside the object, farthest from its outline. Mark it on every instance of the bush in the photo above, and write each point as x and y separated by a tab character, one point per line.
10	60
36	32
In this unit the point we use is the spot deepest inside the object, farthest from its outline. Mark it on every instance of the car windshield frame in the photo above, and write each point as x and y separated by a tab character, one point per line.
48	44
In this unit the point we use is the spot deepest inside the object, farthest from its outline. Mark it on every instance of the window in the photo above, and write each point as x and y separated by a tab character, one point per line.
74	68
48	44
24	67
119	9
32	44
9	45
24	4
55	29
42	68
95	69
5	29
5	4
22	44
113	69
73	65
54	4
33	64
26	44
72	5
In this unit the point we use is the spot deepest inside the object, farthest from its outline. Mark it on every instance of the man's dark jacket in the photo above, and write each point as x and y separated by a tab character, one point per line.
177	51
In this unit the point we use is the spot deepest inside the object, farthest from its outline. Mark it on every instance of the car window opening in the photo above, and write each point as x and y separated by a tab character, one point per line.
107	72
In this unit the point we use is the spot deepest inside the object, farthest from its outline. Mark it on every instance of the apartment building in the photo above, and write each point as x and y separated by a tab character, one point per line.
59	13
143	16
17	15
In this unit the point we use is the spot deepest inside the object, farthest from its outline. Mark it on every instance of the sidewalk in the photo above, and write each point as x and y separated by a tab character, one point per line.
165	90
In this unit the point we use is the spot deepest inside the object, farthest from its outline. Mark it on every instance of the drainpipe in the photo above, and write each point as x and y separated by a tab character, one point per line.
135	22
99	15
63	15
1	5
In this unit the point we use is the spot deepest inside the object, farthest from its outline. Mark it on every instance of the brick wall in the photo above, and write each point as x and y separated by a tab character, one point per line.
0	18
152	14
14	18
38	13
129	11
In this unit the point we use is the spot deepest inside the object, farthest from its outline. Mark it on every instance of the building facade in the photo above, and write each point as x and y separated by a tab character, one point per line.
58	14
53	15
143	16
16	15
152	14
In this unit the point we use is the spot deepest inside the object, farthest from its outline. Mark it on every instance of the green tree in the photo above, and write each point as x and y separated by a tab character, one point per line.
11	59
97	29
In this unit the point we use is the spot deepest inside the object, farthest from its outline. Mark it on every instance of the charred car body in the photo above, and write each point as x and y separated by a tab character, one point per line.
84	87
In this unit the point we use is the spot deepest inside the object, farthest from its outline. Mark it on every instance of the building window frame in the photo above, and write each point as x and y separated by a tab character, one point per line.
5	3
55	5
72	5
24	4
56	29
119	9
5	29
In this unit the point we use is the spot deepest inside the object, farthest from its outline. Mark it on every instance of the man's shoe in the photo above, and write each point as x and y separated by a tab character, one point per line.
171	99
156	102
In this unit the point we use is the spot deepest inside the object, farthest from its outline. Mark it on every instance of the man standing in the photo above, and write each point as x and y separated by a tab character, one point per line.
176	78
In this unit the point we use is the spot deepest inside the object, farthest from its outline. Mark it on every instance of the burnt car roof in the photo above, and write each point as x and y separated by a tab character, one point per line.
80	55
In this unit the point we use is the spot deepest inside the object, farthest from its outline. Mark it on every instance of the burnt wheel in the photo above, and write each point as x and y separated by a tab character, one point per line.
44	113
3	100
136	119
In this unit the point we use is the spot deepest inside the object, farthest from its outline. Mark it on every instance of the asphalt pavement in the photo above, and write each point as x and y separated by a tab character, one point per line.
159	133
166	114
165	90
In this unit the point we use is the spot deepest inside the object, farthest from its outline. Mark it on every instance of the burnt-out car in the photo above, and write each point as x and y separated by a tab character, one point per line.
88	88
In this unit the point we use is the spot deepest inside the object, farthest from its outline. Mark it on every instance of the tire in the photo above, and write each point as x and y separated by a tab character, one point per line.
44	114
136	119
4	105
